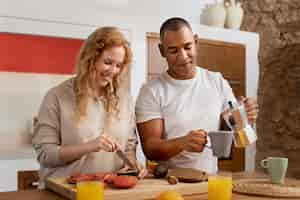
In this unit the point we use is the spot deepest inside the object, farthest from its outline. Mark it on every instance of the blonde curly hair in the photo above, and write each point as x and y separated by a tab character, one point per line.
101	39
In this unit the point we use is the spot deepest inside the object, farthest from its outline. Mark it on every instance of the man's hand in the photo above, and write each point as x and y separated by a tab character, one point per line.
194	141
156	147
251	108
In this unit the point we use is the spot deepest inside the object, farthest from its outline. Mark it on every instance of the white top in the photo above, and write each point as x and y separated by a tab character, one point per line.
186	105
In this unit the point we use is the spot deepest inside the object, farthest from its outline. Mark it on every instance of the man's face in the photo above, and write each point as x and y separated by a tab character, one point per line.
179	49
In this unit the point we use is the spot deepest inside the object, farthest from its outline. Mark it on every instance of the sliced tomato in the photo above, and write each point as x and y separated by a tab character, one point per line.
125	182
109	178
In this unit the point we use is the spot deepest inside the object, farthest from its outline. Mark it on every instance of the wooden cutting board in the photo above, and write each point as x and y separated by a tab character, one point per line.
147	188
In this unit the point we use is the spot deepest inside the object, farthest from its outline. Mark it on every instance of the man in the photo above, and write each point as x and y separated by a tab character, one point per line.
176	110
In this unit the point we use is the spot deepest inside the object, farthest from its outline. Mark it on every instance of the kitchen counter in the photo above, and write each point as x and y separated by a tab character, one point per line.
47	195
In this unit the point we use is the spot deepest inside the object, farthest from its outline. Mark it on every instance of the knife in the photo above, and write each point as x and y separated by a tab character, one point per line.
122	155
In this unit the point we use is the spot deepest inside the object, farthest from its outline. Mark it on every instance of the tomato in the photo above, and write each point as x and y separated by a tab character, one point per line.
109	178
125	182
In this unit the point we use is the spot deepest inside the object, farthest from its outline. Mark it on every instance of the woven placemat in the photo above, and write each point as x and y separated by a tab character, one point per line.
263	187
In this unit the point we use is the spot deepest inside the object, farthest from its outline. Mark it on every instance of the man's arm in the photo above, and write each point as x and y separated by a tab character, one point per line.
157	148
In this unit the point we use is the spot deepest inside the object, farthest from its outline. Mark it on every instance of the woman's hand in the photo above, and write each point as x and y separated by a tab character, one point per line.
69	153
142	171
105	143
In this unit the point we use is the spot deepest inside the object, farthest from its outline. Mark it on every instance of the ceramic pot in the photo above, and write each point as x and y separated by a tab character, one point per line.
215	15
234	16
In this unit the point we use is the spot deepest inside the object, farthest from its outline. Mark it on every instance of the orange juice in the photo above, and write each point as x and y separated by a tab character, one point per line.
219	188
91	190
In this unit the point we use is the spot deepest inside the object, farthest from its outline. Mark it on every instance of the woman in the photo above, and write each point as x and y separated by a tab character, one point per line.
84	120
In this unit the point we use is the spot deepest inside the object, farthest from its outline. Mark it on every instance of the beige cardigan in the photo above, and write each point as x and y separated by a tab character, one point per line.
56	127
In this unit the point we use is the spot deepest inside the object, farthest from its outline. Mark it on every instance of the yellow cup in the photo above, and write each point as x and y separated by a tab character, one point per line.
91	190
220	187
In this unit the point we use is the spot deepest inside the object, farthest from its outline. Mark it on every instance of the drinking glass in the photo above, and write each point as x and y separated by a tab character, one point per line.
220	187
91	190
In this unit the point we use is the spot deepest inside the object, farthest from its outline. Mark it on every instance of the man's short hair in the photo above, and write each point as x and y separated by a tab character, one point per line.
173	24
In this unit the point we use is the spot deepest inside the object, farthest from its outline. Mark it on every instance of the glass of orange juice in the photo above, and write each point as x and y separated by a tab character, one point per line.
220	187
92	190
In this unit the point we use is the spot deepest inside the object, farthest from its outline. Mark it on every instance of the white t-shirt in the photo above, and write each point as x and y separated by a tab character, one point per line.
186	105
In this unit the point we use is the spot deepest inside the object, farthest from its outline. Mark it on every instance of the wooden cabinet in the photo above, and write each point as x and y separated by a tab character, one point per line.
227	58
27	179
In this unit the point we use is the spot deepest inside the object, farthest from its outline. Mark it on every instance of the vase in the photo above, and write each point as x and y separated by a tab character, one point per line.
215	15
234	16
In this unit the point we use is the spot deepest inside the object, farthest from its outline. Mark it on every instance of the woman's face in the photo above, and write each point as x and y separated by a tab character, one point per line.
109	65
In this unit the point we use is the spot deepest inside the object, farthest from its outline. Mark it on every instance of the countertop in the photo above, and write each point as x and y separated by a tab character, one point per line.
47	195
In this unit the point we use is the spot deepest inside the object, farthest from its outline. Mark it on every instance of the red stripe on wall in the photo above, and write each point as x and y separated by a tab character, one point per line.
38	54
